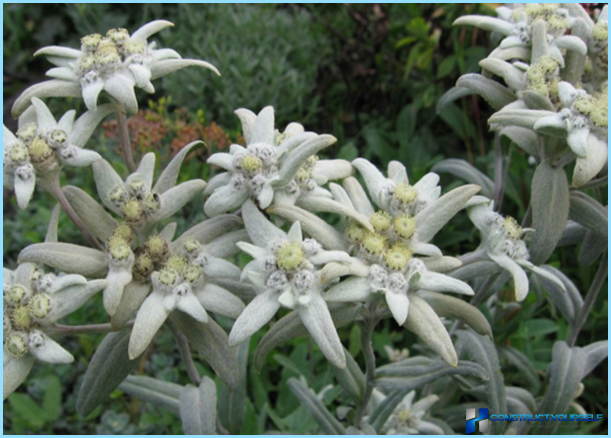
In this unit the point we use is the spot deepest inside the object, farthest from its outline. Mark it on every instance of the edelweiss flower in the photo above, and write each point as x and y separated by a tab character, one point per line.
284	272
136	200
399	275
182	284
34	301
502	242
43	146
115	63
518	25
407	418
271	162
583	121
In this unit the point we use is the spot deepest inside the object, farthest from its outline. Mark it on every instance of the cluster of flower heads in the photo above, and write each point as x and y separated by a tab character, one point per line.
116	63
554	64
381	255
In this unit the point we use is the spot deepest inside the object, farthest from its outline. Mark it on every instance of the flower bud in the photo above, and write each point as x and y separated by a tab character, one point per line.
15	294
90	42
157	247
143	267
118	248
397	257
16	344
167	277
36	339
405	226
117	196
192	273
58	138
132	210
40	305
39	150
356	232
513	229
25	172
374	243
191	246
405	193
380	221
18	154
152	202
251	164
290	256
177	264
124	232
20	317
28	132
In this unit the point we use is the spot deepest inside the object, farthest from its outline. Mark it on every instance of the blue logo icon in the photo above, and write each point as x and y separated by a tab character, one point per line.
482	419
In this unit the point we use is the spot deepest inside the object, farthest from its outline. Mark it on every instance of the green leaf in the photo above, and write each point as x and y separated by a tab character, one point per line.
483	352
410	375
232	404
52	401
109	366
316	408
550	210
588	212
446	67
524	366
26	408
198	408
565	373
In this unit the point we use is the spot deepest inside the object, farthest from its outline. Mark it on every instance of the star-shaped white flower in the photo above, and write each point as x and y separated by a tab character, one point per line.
33	302
285	273
116	63
502	242
270	162
137	200
407	418
517	25
583	121
43	146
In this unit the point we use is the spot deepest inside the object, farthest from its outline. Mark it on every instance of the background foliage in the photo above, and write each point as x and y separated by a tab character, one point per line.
370	75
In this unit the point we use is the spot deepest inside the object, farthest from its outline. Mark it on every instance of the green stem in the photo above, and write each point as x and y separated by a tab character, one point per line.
57	192
185	353
126	146
595	287
82	329
370	363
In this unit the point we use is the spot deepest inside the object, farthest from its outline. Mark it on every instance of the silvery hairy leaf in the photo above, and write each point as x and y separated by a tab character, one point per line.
475	270
519	398
550	210
94	216
451	95
198	408
466	171
383	411
291	327
434	216
565	373
211	341
351	378
592	248
524	366
595	353
536	101
67	257
573	234
108	367
410	374
314	226
232	404
447	306
525	139
483	352
588	212
327	422
424	322
146	389
494	93
568	301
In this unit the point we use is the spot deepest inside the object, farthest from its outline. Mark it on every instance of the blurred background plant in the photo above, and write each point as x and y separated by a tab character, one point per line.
369	74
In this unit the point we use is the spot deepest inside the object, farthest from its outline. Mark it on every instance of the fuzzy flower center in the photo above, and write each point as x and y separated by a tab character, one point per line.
356	232
16	345
15	294
40	305
375	243
397	257
513	229
380	221
405	226
21	318
290	256
405	193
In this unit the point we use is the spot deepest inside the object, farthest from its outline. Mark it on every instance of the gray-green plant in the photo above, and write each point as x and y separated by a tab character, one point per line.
324	250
